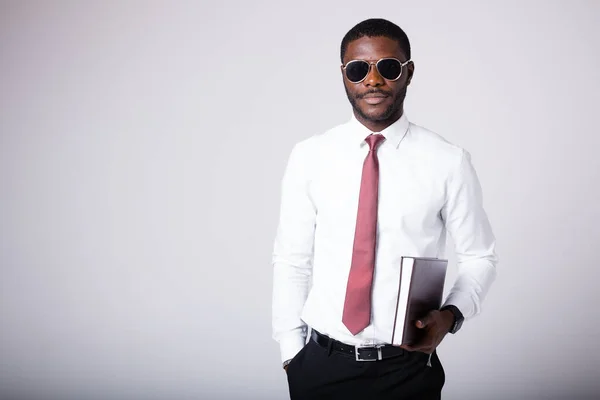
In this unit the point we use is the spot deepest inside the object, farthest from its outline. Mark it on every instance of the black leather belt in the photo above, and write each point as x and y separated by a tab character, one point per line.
360	353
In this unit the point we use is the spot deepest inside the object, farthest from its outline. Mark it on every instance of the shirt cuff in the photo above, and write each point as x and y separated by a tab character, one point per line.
463	302
290	346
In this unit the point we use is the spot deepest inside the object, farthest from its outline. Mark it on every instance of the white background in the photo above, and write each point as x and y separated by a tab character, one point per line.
141	151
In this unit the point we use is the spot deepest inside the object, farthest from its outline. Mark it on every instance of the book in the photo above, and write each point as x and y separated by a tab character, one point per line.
420	290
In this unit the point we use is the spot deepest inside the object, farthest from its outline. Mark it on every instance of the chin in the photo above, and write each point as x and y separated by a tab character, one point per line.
375	114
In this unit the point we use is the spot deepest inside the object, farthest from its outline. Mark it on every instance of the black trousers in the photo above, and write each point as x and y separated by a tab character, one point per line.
319	373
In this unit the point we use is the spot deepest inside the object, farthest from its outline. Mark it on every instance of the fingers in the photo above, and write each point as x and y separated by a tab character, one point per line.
423	345
426	320
427	342
422	348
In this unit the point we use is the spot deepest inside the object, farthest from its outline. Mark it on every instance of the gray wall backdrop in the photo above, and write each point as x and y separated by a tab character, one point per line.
141	151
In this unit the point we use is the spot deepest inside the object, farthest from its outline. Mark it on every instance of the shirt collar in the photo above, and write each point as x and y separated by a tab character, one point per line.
393	134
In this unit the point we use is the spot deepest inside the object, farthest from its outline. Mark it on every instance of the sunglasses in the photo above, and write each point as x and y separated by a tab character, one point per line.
389	68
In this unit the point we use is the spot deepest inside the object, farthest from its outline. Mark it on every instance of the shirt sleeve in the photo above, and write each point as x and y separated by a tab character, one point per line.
467	223
292	255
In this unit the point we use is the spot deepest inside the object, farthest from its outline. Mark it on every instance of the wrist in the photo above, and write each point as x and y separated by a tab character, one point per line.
454	316
448	320
286	363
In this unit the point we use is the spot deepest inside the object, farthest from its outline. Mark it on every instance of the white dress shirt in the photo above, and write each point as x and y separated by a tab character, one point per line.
427	187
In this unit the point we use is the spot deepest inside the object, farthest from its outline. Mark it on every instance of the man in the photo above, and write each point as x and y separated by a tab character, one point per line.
354	200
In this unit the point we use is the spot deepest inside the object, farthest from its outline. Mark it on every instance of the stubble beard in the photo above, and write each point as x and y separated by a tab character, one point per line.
389	113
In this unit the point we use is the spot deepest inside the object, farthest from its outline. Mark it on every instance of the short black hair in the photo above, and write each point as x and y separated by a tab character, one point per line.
376	27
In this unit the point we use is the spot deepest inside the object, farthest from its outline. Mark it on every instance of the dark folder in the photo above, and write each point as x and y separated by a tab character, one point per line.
420	291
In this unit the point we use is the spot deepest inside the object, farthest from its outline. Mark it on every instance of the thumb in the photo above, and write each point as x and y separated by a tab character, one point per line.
423	322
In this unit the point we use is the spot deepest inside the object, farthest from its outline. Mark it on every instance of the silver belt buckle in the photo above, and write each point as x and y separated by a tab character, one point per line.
379	355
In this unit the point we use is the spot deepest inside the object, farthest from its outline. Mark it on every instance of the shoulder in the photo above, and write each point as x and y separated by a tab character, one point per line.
318	142
435	146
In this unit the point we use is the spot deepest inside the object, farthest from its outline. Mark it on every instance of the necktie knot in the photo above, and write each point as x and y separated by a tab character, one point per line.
374	140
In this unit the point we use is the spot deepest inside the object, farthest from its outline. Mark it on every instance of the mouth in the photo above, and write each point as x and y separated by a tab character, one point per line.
374	98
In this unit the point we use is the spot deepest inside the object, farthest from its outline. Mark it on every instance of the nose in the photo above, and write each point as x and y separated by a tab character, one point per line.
373	77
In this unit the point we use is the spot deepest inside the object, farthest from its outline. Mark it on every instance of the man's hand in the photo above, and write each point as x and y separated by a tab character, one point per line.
436	325
286	363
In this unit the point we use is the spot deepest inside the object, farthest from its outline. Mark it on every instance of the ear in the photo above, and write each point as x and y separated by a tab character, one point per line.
410	68
343	75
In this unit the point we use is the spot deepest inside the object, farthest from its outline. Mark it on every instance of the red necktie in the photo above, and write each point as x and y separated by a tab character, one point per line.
357	307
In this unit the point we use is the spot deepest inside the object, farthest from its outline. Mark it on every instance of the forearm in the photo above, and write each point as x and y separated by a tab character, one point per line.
474	241
290	290
292	256
472	284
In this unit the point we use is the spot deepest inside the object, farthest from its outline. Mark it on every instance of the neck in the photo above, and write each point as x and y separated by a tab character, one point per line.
378	126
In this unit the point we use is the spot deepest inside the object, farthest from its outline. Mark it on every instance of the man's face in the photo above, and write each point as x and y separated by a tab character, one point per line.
376	99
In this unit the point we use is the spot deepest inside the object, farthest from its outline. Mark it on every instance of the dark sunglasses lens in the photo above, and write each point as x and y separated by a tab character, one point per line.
356	70
389	69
